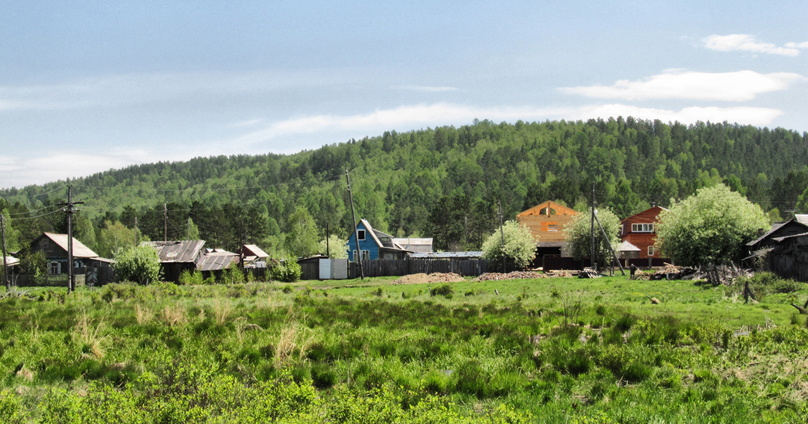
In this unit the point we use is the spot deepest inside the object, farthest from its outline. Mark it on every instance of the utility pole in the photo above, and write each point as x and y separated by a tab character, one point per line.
5	261
355	232
327	235
189	228
502	234
71	279
165	222
594	263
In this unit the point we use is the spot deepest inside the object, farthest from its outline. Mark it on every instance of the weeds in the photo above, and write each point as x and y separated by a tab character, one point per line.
90	337
221	310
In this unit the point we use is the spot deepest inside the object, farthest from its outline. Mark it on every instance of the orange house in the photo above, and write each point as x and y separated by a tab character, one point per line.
546	222
640	230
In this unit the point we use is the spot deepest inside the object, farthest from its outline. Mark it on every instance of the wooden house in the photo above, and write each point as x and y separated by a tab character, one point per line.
788	257
54	246
640	231
370	244
546	222
177	256
780	229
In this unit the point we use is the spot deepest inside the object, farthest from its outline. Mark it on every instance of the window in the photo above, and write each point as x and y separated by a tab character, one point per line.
366	255
55	268
552	227
361	234
642	228
650	250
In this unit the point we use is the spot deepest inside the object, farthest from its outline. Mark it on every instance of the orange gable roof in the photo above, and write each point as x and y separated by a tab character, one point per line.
553	206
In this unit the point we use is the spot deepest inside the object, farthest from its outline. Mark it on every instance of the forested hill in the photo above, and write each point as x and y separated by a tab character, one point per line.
443	182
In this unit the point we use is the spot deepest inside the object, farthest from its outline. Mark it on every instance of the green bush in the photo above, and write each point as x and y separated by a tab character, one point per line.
233	275
188	278
139	264
441	290
287	271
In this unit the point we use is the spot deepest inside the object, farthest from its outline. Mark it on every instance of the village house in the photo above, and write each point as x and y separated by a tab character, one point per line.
546	223
638	233
373	244
54	247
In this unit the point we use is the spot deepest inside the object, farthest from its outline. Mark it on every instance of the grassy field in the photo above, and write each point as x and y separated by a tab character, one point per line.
544	350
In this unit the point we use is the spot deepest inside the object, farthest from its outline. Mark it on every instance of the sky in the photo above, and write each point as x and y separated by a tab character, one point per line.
88	86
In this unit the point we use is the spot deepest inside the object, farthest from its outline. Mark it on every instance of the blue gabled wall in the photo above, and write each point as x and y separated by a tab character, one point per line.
368	243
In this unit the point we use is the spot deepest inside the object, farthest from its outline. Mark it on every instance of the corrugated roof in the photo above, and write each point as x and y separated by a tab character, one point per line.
776	226
79	249
216	261
253	250
184	251
421	245
446	255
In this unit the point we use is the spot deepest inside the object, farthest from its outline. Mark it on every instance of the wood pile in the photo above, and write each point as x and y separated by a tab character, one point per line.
588	273
515	275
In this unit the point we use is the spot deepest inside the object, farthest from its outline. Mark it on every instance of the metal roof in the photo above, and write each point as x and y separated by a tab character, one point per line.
446	255
253	250
216	260
775	227
12	261
421	245
801	218
79	249
184	251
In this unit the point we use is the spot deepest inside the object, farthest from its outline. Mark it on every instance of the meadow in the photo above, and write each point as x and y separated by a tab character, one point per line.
563	350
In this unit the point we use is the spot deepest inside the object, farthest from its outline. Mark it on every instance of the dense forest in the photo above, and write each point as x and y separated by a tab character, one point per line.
447	182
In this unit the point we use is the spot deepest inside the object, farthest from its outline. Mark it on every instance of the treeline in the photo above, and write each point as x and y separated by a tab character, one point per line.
447	182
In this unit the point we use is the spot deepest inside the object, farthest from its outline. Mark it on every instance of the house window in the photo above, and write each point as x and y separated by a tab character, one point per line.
650	250
55	268
360	234
642	228
552	227
366	255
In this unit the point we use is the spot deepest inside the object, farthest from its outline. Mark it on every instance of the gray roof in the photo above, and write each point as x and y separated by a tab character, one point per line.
216	260
627	247
185	251
801	218
254	251
776	226
79	249
446	255
12	261
420	245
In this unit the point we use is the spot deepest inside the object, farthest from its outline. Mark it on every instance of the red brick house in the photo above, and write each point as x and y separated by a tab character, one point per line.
640	230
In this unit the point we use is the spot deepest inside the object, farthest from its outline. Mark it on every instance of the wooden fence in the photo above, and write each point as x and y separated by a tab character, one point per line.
387	267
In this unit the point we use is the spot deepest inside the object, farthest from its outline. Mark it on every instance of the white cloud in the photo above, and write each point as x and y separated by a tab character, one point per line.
748	43
424	88
726	86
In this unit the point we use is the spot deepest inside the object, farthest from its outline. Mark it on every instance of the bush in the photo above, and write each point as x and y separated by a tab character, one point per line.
287	271
139	264
441	290
233	275
188	278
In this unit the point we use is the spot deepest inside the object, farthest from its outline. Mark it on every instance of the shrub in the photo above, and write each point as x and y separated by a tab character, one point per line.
188	278
139	264
441	290
287	271
233	275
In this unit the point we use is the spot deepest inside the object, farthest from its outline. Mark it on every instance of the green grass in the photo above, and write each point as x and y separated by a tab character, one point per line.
545	350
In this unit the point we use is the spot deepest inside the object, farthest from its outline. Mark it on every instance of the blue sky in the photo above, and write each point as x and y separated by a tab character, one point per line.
91	86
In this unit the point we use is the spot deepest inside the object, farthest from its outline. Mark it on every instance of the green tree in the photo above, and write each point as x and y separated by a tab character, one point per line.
34	263
336	247
301	234
579	235
519	246
139	264
115	237
709	227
